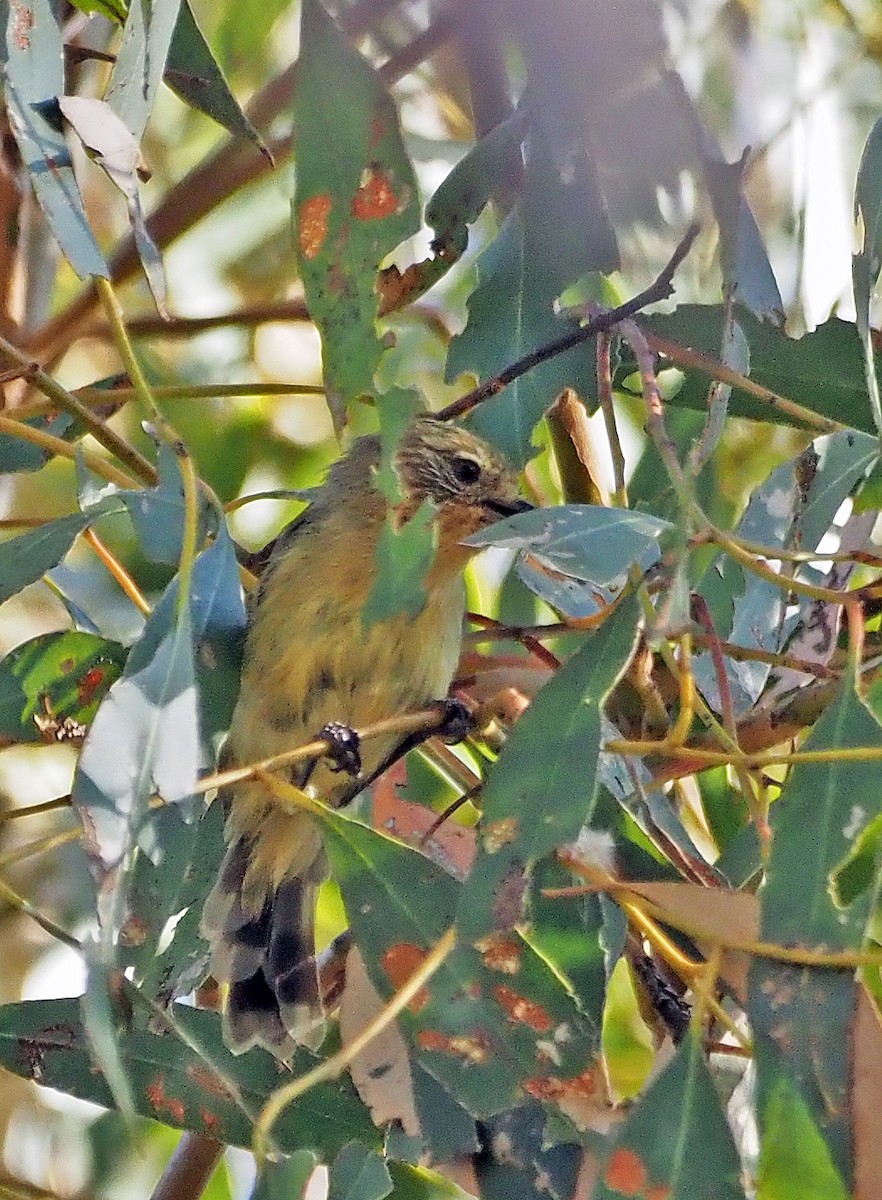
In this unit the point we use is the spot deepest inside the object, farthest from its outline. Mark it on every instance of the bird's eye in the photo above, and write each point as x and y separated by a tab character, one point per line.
466	470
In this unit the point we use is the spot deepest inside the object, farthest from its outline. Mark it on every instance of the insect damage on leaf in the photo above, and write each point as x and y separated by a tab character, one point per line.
472	1049
376	197
312	227
399	963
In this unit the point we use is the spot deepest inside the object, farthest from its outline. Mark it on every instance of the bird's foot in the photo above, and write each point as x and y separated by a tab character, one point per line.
344	747
456	720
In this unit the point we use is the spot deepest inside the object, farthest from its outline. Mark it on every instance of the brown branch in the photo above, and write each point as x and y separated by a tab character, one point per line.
234	164
660	289
189	1169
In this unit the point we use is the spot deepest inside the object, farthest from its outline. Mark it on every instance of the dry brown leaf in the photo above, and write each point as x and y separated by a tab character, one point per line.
866	1102
381	1072
722	913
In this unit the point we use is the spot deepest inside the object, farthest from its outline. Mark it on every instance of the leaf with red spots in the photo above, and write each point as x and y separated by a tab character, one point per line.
675	1143
54	683
209	1090
356	199
493	1020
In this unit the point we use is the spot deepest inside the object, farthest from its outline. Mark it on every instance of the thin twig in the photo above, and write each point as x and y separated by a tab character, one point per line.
69	403
189	1169
659	290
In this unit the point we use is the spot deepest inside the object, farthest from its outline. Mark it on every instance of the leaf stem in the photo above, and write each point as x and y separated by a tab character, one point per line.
62	449
66	400
331	1067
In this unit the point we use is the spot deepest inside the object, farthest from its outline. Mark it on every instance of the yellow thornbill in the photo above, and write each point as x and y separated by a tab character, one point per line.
311	661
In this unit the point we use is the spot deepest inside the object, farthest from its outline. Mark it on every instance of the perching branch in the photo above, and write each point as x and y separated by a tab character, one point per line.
659	290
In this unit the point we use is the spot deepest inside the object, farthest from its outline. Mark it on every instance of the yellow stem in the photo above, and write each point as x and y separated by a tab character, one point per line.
65	400
33	810
116	321
191	524
14	900
721	758
62	449
337	1063
117	570
408	723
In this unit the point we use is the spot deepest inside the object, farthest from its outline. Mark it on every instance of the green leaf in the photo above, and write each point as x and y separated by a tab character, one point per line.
114	10
540	792
867	263
110	144
140	62
195	1083
519	1161
62	676
469	187
352	206
173	887
403	558
747	272
823	371
285	1180
795	1162
510	314
419	1183
675	1142
824	808
482	1025
585	541
192	71
34	70
18	455
26	558
144	740
358	1173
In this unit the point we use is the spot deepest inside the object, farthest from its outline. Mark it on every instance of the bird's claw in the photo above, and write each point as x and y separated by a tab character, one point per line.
344	747
456	720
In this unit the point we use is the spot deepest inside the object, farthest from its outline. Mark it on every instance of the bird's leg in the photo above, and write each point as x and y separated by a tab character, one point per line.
455	722
344	751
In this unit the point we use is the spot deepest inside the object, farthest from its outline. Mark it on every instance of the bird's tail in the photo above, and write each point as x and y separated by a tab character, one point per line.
263	942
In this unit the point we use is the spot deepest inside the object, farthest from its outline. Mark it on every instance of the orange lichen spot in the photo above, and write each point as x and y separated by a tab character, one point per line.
312	226
399	963
520	1010
210	1120
499	833
134	931
206	1079
544	1087
88	684
658	1192
376	198
500	954
160	1102
22	24
473	1049
625	1172
582	1085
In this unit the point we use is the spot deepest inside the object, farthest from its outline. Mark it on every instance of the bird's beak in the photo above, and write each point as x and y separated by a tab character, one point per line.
508	508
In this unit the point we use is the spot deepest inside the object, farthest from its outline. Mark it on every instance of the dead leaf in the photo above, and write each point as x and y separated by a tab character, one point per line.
381	1072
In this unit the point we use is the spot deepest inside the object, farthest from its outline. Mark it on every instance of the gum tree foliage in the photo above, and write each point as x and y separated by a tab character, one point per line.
440	191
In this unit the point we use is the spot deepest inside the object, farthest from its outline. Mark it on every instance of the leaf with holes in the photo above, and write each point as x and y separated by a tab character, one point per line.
56	678
351	207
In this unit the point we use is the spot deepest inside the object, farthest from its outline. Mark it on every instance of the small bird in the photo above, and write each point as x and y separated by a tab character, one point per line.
311	662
